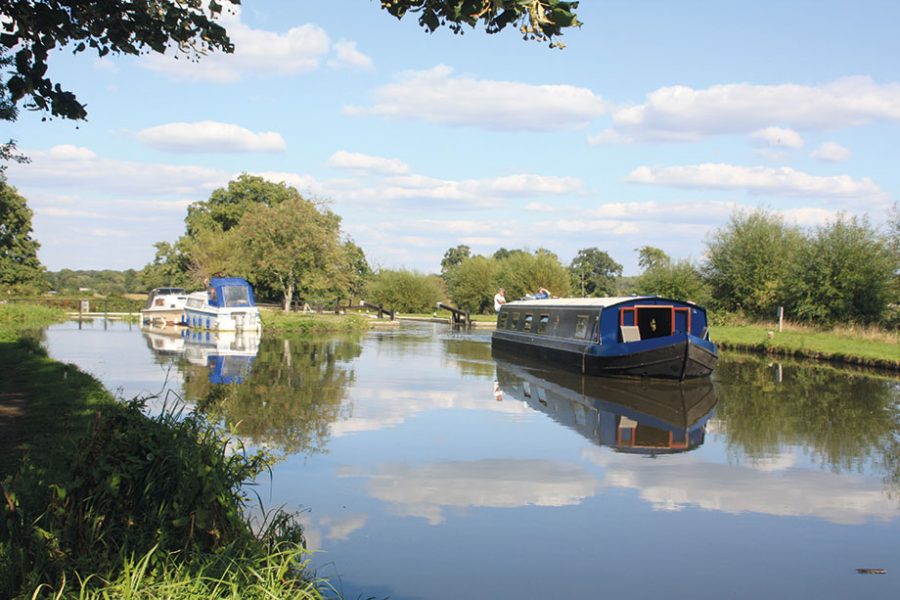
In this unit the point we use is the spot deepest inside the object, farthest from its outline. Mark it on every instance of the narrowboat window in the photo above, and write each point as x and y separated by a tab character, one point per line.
527	326
581	326
501	320
514	321
543	323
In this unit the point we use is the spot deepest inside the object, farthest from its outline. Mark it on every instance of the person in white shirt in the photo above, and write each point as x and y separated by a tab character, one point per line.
499	299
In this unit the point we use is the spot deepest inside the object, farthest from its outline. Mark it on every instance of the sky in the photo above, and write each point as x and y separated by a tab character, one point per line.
656	122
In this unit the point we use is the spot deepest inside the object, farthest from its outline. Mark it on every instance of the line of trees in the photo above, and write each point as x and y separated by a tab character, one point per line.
292	247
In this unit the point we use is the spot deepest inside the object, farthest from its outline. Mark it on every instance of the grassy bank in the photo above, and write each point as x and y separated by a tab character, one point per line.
300	322
100	500
858	346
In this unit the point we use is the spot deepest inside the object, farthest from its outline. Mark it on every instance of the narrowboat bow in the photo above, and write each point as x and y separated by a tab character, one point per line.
644	336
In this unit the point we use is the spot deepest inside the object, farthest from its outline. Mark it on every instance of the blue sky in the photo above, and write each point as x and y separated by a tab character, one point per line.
654	124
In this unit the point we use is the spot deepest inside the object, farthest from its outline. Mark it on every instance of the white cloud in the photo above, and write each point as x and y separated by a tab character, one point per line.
51	211
347	56
684	481
783	181
539	207
588	226
831	152
69	167
778	137
109	233
256	51
210	136
436	96
680	113
355	161
424	491
70	152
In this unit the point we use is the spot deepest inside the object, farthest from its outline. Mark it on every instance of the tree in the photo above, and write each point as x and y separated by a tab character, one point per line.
748	260
405	291
474	284
594	272
169	268
294	245
19	264
650	257
452	258
33	29
226	206
357	270
680	280
536	19
523	273
843	273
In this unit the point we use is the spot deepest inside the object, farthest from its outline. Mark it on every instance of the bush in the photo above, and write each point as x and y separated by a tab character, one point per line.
405	291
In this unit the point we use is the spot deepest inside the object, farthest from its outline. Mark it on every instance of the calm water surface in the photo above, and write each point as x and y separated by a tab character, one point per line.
422	467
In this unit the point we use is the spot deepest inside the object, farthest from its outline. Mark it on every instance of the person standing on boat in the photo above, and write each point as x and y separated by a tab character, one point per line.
499	299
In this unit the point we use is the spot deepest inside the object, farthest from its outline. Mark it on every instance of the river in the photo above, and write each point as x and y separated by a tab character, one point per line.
423	468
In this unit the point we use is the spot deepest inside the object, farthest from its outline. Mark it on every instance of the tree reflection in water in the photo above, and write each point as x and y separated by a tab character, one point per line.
293	394
847	419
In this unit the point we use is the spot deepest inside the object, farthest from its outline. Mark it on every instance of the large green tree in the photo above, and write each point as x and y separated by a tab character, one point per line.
748	261
594	272
34	29
19	264
843	273
295	245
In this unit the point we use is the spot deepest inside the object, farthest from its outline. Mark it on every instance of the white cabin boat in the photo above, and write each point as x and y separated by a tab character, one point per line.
165	306
228	305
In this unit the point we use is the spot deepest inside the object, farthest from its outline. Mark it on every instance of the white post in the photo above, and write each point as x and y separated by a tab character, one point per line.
780	317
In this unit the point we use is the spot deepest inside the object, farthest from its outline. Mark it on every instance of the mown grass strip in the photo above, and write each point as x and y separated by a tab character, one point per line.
312	323
848	346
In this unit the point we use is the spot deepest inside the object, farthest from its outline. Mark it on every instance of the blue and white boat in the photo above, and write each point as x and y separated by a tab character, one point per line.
227	305
227	356
642	336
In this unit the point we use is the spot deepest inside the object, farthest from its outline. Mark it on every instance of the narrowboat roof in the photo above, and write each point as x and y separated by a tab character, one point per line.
578	302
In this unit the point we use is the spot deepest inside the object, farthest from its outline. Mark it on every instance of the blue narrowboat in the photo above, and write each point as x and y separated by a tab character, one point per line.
226	305
651	416
638	336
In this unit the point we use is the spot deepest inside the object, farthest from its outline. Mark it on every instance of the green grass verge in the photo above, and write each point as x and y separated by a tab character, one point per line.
98	500
312	323
809	343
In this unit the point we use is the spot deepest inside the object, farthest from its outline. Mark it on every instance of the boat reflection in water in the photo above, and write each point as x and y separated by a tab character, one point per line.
227	355
639	416
164	340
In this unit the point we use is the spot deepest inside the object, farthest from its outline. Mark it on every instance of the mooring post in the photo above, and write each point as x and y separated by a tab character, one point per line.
780	317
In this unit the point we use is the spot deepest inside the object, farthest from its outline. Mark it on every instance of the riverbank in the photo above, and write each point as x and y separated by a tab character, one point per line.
100	500
853	346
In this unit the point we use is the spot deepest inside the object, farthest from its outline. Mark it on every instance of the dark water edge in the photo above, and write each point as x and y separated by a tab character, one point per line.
423	468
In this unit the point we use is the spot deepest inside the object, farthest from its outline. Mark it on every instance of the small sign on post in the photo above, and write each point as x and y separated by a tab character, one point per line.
85	306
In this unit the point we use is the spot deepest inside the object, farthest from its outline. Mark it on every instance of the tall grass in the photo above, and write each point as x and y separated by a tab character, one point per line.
15	318
167	489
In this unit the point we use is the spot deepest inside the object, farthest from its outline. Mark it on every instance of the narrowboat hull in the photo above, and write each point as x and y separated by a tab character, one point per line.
638	417
680	356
